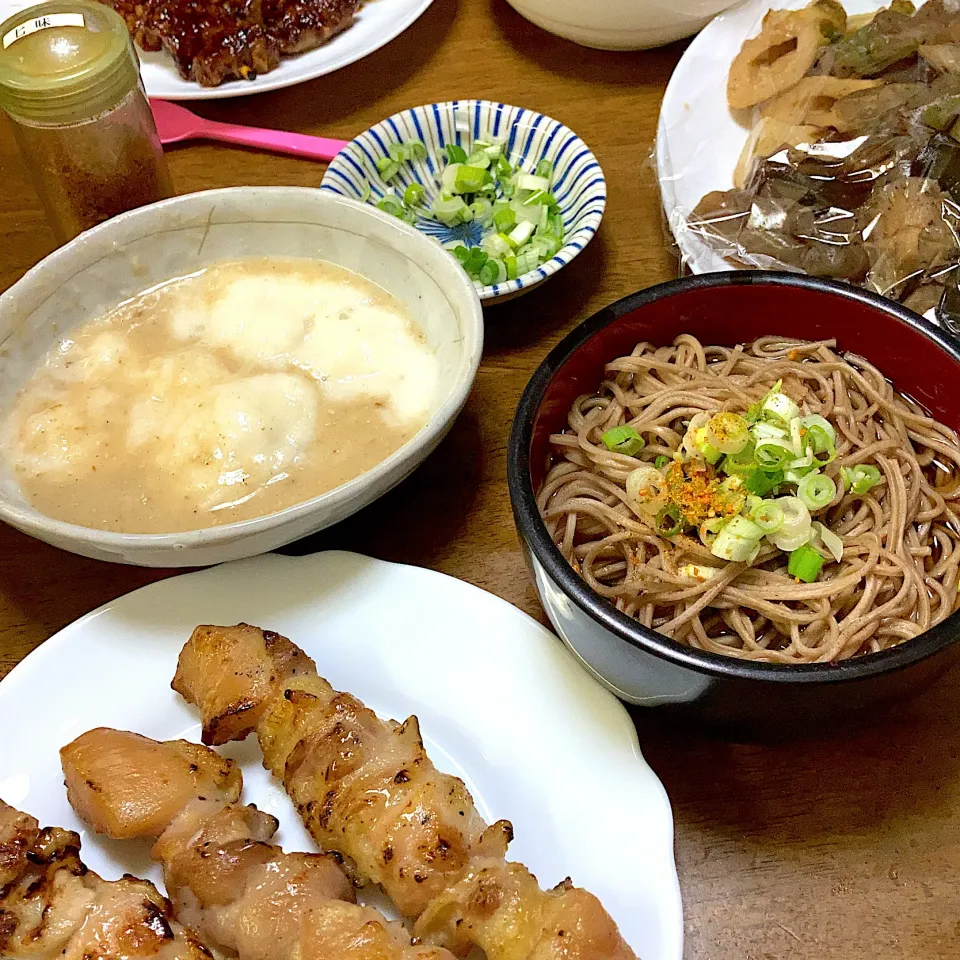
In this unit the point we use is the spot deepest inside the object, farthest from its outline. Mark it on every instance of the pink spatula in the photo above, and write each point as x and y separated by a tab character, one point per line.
176	123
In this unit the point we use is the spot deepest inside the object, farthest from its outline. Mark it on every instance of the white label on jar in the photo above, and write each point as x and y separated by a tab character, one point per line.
42	23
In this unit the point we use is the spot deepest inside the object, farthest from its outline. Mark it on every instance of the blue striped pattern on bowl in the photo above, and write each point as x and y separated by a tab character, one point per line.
579	184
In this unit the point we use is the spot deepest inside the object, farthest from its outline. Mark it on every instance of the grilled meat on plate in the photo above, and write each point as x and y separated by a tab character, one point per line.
212	41
53	908
242	893
366	788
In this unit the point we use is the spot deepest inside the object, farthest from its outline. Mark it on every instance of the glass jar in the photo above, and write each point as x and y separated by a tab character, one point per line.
70	82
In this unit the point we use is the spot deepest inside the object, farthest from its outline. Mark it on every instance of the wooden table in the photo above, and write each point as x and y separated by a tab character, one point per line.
847	848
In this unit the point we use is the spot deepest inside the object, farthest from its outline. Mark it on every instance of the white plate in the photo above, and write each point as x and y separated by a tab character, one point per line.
699	139
501	702
376	24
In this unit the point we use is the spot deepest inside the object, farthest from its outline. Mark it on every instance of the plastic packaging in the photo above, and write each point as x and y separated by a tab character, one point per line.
70	82
851	162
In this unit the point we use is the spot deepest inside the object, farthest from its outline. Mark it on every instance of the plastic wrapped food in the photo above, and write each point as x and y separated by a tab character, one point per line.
851	168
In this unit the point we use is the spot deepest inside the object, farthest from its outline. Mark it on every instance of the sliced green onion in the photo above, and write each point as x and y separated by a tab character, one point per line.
816	490
643	483
414	194
468	179
819	436
527	181
796	527
661	462
505	220
768	516
479	158
365	193
761	482
392	205
769	431
496	245
462	253
387	168
728	432
545	169
490	272
520	234
743	463
861	478
710	529
705	448
623	439
510	262
668	522
773	455
449	210
738	541
830	540
805	564
456	153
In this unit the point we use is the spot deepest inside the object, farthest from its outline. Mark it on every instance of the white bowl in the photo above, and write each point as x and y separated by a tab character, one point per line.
621	24
130	253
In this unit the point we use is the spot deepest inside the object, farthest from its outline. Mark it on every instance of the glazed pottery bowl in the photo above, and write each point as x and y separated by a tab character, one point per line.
737	697
137	250
529	137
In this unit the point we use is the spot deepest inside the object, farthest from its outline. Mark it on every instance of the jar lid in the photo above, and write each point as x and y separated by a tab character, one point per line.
65	61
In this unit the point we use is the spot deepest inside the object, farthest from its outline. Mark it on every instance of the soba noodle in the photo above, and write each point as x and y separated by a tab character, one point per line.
901	540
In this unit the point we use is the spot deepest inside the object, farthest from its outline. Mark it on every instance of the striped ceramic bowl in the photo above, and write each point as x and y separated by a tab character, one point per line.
530	137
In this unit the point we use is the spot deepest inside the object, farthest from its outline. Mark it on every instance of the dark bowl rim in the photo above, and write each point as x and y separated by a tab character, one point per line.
533	531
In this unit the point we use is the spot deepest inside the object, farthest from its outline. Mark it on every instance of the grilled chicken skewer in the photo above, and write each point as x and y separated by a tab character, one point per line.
366	789
53	908
226	880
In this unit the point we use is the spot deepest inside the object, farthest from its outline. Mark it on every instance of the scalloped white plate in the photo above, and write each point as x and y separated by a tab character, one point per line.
501	703
376	24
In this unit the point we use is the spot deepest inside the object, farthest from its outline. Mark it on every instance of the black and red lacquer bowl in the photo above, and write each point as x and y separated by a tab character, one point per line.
641	666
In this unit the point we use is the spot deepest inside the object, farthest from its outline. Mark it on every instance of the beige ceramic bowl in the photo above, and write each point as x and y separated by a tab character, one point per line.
621	24
136	250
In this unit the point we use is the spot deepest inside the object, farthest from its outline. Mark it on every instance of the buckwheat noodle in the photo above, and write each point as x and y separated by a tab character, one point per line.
898	576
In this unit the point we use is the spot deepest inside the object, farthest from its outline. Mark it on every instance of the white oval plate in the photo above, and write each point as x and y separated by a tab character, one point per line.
376	24
501	703
699	139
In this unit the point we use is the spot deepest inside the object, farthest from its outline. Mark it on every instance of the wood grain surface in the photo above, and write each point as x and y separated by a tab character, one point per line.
840	849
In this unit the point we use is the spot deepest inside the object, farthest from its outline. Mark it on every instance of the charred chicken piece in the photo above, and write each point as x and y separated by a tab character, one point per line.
53	908
245	894
366	788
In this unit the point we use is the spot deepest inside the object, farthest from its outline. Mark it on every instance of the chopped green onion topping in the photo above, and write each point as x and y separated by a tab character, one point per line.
387	168
805	564
762	482
738	541
545	169
668	522
728	432
414	194
623	439
816	490
392	205
772	454
768	516
456	153
661	462
861	478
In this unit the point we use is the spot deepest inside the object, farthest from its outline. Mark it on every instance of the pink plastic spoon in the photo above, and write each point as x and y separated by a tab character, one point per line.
176	123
